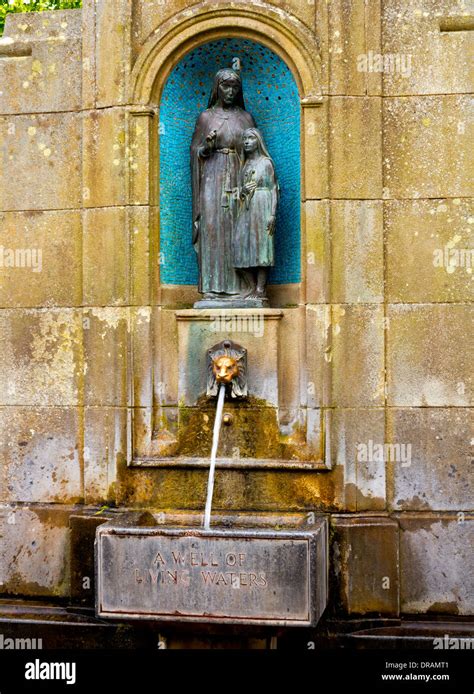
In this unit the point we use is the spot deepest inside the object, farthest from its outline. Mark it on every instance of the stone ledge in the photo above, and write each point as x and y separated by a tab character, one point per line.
211	313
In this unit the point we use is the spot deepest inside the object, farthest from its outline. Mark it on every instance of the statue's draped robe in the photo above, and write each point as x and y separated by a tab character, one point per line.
215	179
253	246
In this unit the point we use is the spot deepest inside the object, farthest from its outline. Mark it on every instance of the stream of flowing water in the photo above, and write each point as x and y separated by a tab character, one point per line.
212	468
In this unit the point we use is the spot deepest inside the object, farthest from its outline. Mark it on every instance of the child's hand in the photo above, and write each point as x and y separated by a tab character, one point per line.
249	187
271	226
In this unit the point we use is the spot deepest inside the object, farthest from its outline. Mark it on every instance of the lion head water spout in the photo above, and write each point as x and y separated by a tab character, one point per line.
227	365
227	370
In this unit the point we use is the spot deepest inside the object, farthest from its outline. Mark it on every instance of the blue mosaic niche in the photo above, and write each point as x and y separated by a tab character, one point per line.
271	96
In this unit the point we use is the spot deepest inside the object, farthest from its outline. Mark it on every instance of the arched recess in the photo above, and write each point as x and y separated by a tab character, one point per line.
274	28
288	38
271	96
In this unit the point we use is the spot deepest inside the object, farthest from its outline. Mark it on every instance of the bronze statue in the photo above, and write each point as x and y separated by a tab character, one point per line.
235	195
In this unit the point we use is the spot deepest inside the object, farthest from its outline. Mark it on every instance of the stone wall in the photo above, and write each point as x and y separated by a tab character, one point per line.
383	331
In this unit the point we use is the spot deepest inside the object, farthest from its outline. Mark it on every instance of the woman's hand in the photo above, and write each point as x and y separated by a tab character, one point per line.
210	142
211	138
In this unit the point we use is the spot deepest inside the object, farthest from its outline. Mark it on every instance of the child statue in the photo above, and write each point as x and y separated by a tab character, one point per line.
253	240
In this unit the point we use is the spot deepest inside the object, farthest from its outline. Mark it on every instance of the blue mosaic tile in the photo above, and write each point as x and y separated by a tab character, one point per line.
271	96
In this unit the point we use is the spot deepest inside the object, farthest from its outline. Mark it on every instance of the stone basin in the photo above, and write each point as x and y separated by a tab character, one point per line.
221	575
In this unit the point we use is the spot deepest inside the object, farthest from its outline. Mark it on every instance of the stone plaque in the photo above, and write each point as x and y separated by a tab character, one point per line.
224	576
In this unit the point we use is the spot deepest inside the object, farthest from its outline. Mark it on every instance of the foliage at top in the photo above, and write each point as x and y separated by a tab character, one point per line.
7	6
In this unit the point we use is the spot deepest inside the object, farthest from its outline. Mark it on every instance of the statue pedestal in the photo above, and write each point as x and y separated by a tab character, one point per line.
231	303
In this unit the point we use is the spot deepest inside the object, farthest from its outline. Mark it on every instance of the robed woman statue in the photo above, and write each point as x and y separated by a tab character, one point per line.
216	159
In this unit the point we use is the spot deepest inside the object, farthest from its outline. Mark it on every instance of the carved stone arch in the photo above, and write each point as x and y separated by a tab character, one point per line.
276	29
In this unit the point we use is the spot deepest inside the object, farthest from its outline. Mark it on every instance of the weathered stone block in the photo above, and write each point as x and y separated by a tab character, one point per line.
32	26
352	439
185	488
146	371
143	231
106	257
83	529
105	158
357	251
105	355
436	472
40	454
438	61
50	78
113	57
317	358
164	430
355	147
50	146
105	449
41	357
429	355
427	147
357	355
436	563
315	146
89	55
117	242
352	27
34	550
317	261
143	180
166	368
291	354
366	565
430	250
38	250
154	432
